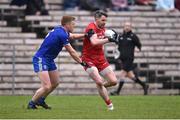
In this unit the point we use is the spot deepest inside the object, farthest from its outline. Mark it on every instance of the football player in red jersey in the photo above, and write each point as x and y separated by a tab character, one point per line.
93	55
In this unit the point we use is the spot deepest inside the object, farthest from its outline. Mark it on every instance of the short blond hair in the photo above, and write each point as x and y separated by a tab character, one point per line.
67	19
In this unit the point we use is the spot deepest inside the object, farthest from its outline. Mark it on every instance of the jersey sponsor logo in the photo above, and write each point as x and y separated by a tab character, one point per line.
44	67
105	63
129	39
100	34
40	63
90	63
67	40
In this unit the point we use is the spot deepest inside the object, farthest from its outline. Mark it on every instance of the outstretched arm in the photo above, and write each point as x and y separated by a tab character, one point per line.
76	36
73	53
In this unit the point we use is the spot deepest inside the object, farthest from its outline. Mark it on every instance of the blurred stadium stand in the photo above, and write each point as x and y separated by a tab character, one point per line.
158	63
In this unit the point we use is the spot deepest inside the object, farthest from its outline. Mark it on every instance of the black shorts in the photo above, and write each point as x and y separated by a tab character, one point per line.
127	64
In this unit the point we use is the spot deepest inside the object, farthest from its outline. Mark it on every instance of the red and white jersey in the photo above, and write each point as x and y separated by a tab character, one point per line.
89	50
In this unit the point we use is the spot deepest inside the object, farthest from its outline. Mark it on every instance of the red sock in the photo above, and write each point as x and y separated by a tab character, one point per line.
108	102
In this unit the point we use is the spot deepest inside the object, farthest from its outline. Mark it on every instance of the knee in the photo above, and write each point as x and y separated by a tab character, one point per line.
113	82
54	85
99	83
121	76
47	87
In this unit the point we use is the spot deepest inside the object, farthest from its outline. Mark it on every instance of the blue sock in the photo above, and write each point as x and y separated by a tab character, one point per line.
32	102
41	100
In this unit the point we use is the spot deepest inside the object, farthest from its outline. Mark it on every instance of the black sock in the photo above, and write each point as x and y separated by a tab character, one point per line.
137	80
120	86
145	87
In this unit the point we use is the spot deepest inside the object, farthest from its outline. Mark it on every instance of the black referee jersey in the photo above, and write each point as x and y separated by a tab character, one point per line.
126	45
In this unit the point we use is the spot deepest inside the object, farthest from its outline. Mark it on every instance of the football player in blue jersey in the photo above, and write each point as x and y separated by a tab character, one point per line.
43	60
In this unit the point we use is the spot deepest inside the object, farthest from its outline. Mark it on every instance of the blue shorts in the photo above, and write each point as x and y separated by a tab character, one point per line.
43	64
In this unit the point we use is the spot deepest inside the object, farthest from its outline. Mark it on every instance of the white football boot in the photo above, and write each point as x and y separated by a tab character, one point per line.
110	107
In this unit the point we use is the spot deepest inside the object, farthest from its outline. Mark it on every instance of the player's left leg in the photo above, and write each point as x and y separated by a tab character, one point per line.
94	74
45	87
110	76
132	76
54	79
122	76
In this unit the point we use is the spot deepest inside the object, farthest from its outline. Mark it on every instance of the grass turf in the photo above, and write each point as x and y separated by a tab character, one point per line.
83	107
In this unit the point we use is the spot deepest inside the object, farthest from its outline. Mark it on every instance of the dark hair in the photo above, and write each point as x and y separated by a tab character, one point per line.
100	13
67	19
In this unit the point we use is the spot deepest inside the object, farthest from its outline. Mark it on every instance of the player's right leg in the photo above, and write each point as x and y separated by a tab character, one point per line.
122	76
54	78
44	89
94	74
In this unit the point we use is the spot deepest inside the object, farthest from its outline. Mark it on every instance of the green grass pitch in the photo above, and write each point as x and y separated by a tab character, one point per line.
83	107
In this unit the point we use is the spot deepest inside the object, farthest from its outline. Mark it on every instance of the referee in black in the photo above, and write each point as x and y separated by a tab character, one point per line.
126	46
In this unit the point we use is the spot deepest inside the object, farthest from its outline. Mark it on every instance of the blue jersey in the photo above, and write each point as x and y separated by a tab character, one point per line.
53	43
